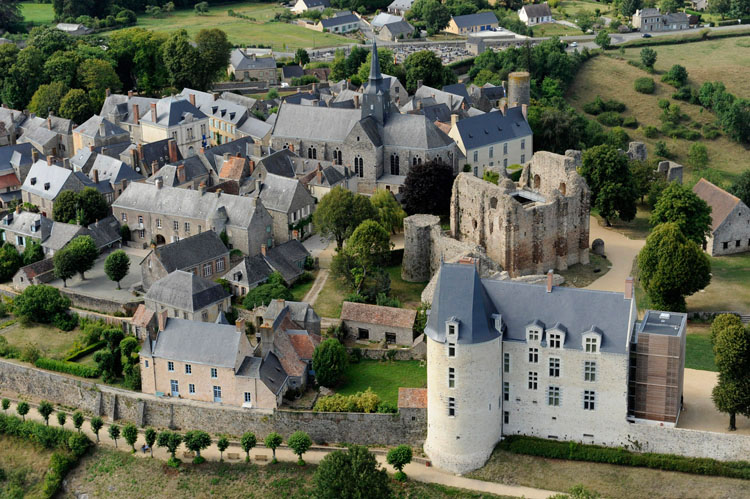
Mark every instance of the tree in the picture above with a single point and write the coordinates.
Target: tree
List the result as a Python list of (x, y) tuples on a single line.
[(682, 206), (47, 99), (78, 420), (10, 262), (613, 189), (731, 397), (349, 474), (300, 443), (64, 265), (389, 212), (648, 57), (33, 253), (248, 441), (586, 21), (75, 106), (602, 39), (340, 212), (66, 207), (61, 418), (196, 441), (10, 14), (676, 76), (171, 440), (369, 245), (426, 67), (698, 156), (22, 409), (130, 434), (214, 49), (263, 294), (428, 188), (40, 303), (329, 362), (672, 267), (92, 205), (628, 7), (45, 409), (129, 350), (181, 60), (670, 5), (84, 251), (741, 187), (150, 436), (96, 425), (731, 343), (201, 8), (273, 440), (96, 76), (114, 433), (301, 57), (643, 176), (398, 458), (116, 266), (5, 404), (720, 7), (222, 445)]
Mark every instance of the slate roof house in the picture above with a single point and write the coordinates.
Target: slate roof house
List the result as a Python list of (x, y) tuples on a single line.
[(397, 30), (375, 142), (126, 111), (46, 181), (652, 19), (505, 358), (494, 140), (324, 178), (187, 296), (51, 137), (304, 5), (18, 158), (147, 159), (288, 259), (730, 220), (341, 22), (373, 323), (10, 187), (246, 67), (10, 125), (40, 272), (291, 71), (179, 119), (472, 23), (113, 172), (203, 254), (74, 29), (156, 213), (399, 7), (211, 363), (290, 205), (98, 131), (533, 14)]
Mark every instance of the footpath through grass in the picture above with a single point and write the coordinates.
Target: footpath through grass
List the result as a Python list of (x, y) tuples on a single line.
[(384, 377)]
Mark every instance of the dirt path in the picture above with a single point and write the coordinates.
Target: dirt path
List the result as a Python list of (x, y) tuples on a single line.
[(320, 281), (699, 412), (234, 453), (620, 252)]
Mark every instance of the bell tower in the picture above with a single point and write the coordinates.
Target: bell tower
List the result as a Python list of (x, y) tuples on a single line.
[(376, 101)]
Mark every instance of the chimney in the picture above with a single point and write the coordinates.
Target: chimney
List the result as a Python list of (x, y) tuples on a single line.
[(34, 155), (258, 150), (50, 160), (140, 151), (215, 95), (454, 120), (136, 114), (319, 176), (252, 166), (524, 111), (104, 151), (550, 278), (266, 340), (130, 94), (258, 185), (159, 182), (162, 318), (96, 175), (134, 158), (419, 84), (291, 147), (153, 112), (240, 324), (218, 193), (254, 56), (172, 151), (154, 166), (504, 109), (315, 88), (91, 148), (295, 234), (124, 184), (181, 174), (49, 122), (263, 249), (54, 151), (192, 100), (202, 188), (108, 92), (629, 288), (356, 102), (419, 104), (227, 155), (18, 208)]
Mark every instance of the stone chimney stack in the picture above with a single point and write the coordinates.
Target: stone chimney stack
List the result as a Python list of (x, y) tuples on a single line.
[(50, 160), (172, 151), (356, 102), (202, 188), (92, 147), (240, 324), (34, 155), (96, 176), (159, 182), (154, 166), (49, 122), (102, 129), (108, 92), (263, 249), (550, 279), (130, 94), (192, 99), (162, 318), (525, 111), (454, 120), (136, 114), (629, 288), (153, 112), (266, 340), (258, 185), (18, 209), (181, 174)]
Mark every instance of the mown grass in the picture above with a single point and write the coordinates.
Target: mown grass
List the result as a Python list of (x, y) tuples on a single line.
[(554, 29), (51, 341), (24, 466), (729, 289), (384, 377), (37, 13), (699, 353)]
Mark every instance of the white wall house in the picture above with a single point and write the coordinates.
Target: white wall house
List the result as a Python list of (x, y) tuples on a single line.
[(532, 14)]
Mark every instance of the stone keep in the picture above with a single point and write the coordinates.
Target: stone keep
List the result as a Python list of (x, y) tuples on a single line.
[(530, 227)]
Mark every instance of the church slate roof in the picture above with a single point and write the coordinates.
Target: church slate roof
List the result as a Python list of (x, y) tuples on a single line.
[(315, 123), (491, 128), (414, 131)]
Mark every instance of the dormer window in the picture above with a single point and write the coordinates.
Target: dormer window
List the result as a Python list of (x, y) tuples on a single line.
[(451, 330), (591, 344), (533, 335), (33, 181), (554, 340)]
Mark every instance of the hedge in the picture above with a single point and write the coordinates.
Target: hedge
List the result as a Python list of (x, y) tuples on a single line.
[(85, 351), (598, 454), (62, 366)]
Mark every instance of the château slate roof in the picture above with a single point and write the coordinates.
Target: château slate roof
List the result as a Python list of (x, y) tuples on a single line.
[(198, 343), (186, 291), (491, 128), (190, 251)]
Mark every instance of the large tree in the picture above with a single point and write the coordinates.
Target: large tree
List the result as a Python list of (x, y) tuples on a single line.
[(340, 212), (613, 189), (428, 188), (672, 267), (84, 253), (40, 303), (389, 211), (10, 13), (47, 99), (93, 205), (731, 343), (329, 362), (96, 76), (117, 266), (75, 106), (351, 473), (426, 67), (64, 265), (33, 253), (741, 187), (10, 262), (682, 206), (181, 59), (214, 49)]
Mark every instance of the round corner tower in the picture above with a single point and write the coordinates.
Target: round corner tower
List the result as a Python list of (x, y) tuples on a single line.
[(417, 243), (519, 88)]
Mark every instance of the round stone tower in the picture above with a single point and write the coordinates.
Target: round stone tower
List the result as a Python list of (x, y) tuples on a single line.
[(417, 243), (519, 89)]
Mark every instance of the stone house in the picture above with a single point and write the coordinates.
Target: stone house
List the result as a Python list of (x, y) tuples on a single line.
[(114, 172), (291, 206), (176, 118), (125, 111), (161, 214), (288, 259), (51, 137), (373, 323), (533, 14), (40, 272), (472, 23), (494, 141), (291, 71), (74, 29), (11, 121), (301, 6), (730, 220), (46, 181), (652, 19), (98, 131), (487, 97), (147, 159), (202, 254), (507, 358), (249, 67), (187, 296), (321, 180), (341, 22), (10, 187), (399, 7), (210, 363)]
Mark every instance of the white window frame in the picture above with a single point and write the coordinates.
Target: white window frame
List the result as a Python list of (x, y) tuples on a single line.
[(589, 400), (451, 350), (589, 371), (191, 388), (554, 340), (451, 407), (554, 396), (533, 380), (506, 391), (188, 369), (506, 362), (214, 373), (170, 366), (591, 344), (533, 355), (451, 377), (555, 367)]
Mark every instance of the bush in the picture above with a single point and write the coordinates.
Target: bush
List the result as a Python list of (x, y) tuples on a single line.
[(645, 85), (630, 122), (40, 303), (367, 401), (686, 94), (650, 131), (663, 103), (30, 353), (329, 362), (676, 76), (598, 106), (73, 356), (65, 321), (609, 118), (355, 356), (710, 131), (62, 366)]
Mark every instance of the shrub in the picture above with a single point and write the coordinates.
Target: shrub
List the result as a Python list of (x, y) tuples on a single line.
[(598, 106), (62, 366), (329, 362), (676, 76), (710, 131), (663, 103), (645, 85), (630, 122), (355, 356), (660, 149), (65, 321), (299, 442), (367, 401), (30, 353), (686, 94), (650, 131), (609, 118), (387, 408)]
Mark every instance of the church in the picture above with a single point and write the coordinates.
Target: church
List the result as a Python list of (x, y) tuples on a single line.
[(376, 142)]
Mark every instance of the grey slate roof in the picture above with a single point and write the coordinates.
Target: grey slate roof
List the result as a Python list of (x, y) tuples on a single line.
[(47, 181), (221, 318), (224, 110), (384, 18), (292, 71), (279, 163), (190, 251), (317, 3), (453, 101), (339, 19), (92, 128), (458, 89), (478, 19), (113, 170), (282, 259), (172, 111), (401, 4), (255, 128), (198, 343), (242, 62), (299, 311), (277, 193), (22, 223), (250, 272), (272, 373), (413, 131), (438, 112), (120, 106), (186, 291), (537, 10), (242, 100), (155, 151), (58, 125), (14, 156), (303, 122), (194, 168), (491, 128), (399, 27), (105, 231), (61, 234)]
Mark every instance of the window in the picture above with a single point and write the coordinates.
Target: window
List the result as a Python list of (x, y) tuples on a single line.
[(220, 265), (214, 373), (142, 233), (174, 386), (506, 417), (533, 355), (589, 400), (725, 245), (492, 151), (555, 341), (146, 363), (737, 243), (554, 367), (394, 164), (174, 135), (248, 397), (523, 144), (390, 338), (188, 369), (506, 391), (506, 362), (363, 334), (451, 330), (124, 217), (553, 396), (217, 394), (176, 225), (203, 130), (589, 371), (533, 380), (140, 219), (592, 345), (207, 269), (505, 163), (191, 388), (505, 148), (533, 335), (158, 223), (451, 407), (476, 156), (451, 377), (170, 366), (19, 240), (523, 158), (187, 227), (204, 316), (451, 349)]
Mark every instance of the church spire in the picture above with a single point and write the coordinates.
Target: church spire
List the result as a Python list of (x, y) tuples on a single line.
[(375, 64)]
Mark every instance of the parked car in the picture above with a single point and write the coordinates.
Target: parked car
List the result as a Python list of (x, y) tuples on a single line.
[(574, 44), (645, 35)]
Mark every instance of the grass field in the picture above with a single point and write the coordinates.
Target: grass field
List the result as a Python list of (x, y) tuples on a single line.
[(730, 287), (612, 78), (571, 9), (608, 480), (580, 276), (300, 290), (383, 377), (554, 29), (37, 13), (262, 31), (699, 352), (113, 474), (51, 341), (24, 465)]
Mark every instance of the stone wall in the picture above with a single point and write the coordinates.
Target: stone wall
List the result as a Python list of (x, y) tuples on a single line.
[(79, 300), (693, 443)]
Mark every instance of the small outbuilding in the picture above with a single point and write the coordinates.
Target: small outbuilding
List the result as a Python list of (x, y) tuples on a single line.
[(375, 323)]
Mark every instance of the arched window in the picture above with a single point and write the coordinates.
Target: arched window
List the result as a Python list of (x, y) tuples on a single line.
[(359, 166), (416, 160), (312, 153), (337, 157), (394, 164)]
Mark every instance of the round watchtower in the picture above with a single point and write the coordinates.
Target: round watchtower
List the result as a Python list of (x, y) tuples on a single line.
[(519, 89), (417, 242)]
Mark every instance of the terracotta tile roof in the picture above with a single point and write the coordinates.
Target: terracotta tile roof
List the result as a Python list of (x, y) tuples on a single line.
[(9, 180), (142, 316), (445, 127), (37, 268), (284, 350), (233, 168), (303, 343), (720, 201), (374, 314), (412, 398)]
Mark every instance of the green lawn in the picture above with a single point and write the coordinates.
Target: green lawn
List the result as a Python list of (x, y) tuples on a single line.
[(51, 341), (383, 377), (37, 13), (699, 352), (729, 289), (262, 31), (409, 293), (554, 29), (300, 290)]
